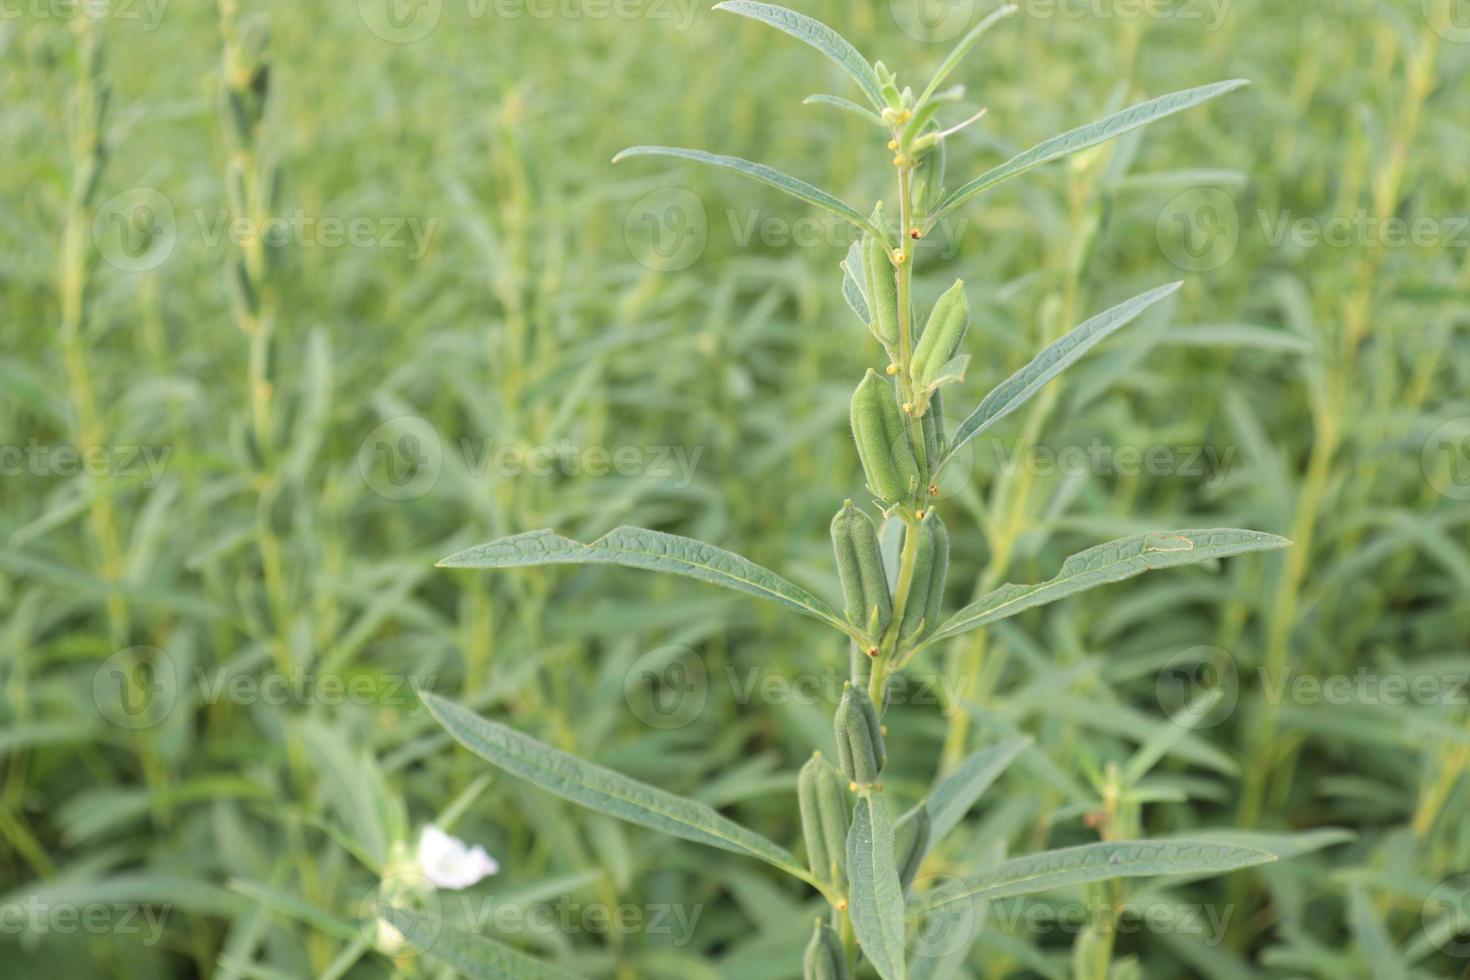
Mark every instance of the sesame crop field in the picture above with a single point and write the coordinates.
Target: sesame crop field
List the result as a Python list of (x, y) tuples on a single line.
[(621, 489)]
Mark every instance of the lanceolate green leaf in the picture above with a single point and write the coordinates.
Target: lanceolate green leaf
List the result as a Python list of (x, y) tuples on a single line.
[(471, 955), (1088, 863), (602, 789), (876, 895), (846, 105), (1111, 562), (1016, 390), (852, 283), (636, 547), (759, 171), (818, 35), (1085, 136), (953, 59), (962, 788)]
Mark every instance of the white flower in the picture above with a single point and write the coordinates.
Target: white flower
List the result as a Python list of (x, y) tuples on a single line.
[(448, 863)]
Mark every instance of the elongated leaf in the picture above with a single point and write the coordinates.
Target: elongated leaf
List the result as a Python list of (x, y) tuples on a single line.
[(1111, 562), (1088, 863), (962, 788), (953, 59), (636, 547), (1083, 137), (852, 284), (474, 956), (759, 171), (1016, 390), (875, 894), (818, 35), (602, 789), (846, 105)]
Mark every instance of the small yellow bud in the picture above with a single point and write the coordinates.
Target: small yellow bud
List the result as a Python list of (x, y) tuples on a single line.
[(920, 513), (899, 257), (884, 730), (916, 234), (908, 408), (842, 903), (892, 369), (904, 116), (852, 787), (872, 651), (933, 489), (893, 144), (900, 161)]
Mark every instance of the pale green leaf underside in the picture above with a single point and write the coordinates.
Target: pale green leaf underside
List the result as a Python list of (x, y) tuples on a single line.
[(601, 789), (961, 789), (1083, 137), (1016, 390), (846, 105), (758, 171), (1089, 863), (655, 551), (818, 35), (853, 289), (875, 895), (1105, 563), (474, 956)]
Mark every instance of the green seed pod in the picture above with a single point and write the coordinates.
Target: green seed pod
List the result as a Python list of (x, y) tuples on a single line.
[(822, 799), (911, 842), (860, 568), (882, 440), (882, 285), (859, 737), (825, 958), (942, 336), (932, 424), (926, 594)]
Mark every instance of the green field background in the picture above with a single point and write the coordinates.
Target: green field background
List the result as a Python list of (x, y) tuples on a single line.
[(483, 326)]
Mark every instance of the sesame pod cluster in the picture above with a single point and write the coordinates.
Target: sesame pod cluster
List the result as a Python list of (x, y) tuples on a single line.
[(882, 285), (942, 336), (860, 751), (926, 594), (860, 569), (825, 958), (911, 842), (882, 440), (822, 799)]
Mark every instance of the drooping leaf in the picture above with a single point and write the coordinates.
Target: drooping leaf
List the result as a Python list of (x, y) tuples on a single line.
[(875, 893), (846, 105), (953, 59), (961, 789), (1083, 137), (818, 35), (635, 547), (1089, 863), (601, 789), (474, 956), (760, 172), (852, 284), (1016, 390), (1111, 562)]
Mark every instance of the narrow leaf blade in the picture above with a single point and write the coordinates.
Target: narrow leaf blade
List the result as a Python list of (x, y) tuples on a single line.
[(1016, 390), (846, 105), (1089, 863), (876, 895), (1111, 562), (818, 35), (474, 956), (603, 790), (953, 59), (655, 551), (961, 789), (1083, 137)]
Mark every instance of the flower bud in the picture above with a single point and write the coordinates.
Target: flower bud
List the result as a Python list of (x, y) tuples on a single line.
[(825, 958), (822, 799), (881, 435), (882, 283), (860, 750), (926, 593), (911, 842), (860, 569), (942, 336)]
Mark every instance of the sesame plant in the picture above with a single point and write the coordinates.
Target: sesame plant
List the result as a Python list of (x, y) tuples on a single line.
[(862, 853)]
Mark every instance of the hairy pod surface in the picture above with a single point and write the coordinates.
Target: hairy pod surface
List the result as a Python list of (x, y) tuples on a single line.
[(860, 749), (825, 958), (932, 424), (882, 283), (926, 594), (911, 842), (822, 799), (882, 440), (942, 335), (860, 569)]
